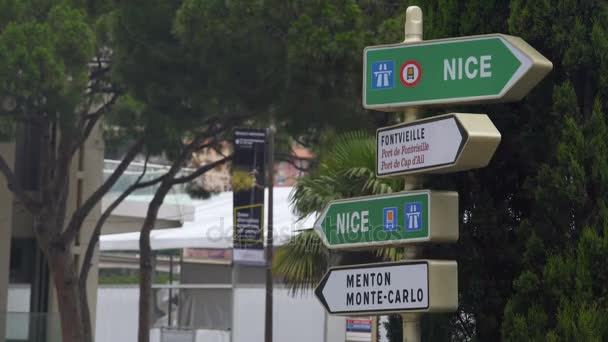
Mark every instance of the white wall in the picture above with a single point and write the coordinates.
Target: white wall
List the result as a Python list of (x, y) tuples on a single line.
[(19, 298), (248, 315), (336, 328), (296, 319), (117, 313), (17, 321)]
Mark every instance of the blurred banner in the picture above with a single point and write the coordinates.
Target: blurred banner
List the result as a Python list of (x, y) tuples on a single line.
[(248, 182)]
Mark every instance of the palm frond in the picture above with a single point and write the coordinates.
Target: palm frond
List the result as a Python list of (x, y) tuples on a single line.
[(390, 253), (302, 261), (347, 170)]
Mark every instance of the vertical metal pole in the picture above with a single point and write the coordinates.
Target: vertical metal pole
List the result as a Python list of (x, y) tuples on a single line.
[(179, 293), (269, 239), (375, 323), (413, 33), (170, 290), (233, 280)]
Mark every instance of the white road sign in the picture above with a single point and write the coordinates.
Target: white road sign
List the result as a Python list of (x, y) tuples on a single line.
[(419, 286), (441, 144)]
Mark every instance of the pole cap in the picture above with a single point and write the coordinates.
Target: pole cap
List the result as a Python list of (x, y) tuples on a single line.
[(413, 24)]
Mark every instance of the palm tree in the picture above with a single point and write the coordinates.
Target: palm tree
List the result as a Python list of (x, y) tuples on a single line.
[(346, 170)]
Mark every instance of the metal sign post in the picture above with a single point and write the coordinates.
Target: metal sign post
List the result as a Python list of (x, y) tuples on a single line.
[(413, 34)]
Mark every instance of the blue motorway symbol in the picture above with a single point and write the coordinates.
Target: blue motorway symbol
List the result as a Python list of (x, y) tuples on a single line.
[(413, 216), (382, 75)]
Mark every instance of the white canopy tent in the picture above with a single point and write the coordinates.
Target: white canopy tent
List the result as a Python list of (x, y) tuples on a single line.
[(212, 226)]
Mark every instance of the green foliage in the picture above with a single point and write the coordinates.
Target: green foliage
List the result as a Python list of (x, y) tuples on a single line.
[(570, 193), (559, 295), (108, 278), (193, 63), (306, 54), (560, 300), (43, 61), (76, 44), (149, 63), (572, 286), (7, 129), (394, 331)]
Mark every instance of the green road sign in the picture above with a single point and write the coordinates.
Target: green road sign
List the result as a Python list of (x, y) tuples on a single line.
[(393, 219), (488, 68)]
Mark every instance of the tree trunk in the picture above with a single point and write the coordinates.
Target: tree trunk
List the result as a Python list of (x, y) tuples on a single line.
[(145, 262), (63, 271), (145, 257), (86, 313), (145, 287)]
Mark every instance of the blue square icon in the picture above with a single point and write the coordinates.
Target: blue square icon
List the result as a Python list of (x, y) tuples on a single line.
[(413, 216), (383, 74), (390, 219)]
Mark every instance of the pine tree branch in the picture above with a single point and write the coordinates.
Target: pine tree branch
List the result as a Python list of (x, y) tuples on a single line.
[(145, 266), (59, 189), (81, 213), (73, 227), (48, 161), (463, 324), (145, 250), (86, 264), (218, 150), (99, 71), (291, 159), (89, 120), (99, 66), (14, 186), (200, 171)]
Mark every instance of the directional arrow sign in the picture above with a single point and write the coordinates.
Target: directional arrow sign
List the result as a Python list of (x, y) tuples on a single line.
[(418, 286), (441, 144), (489, 68), (393, 219)]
